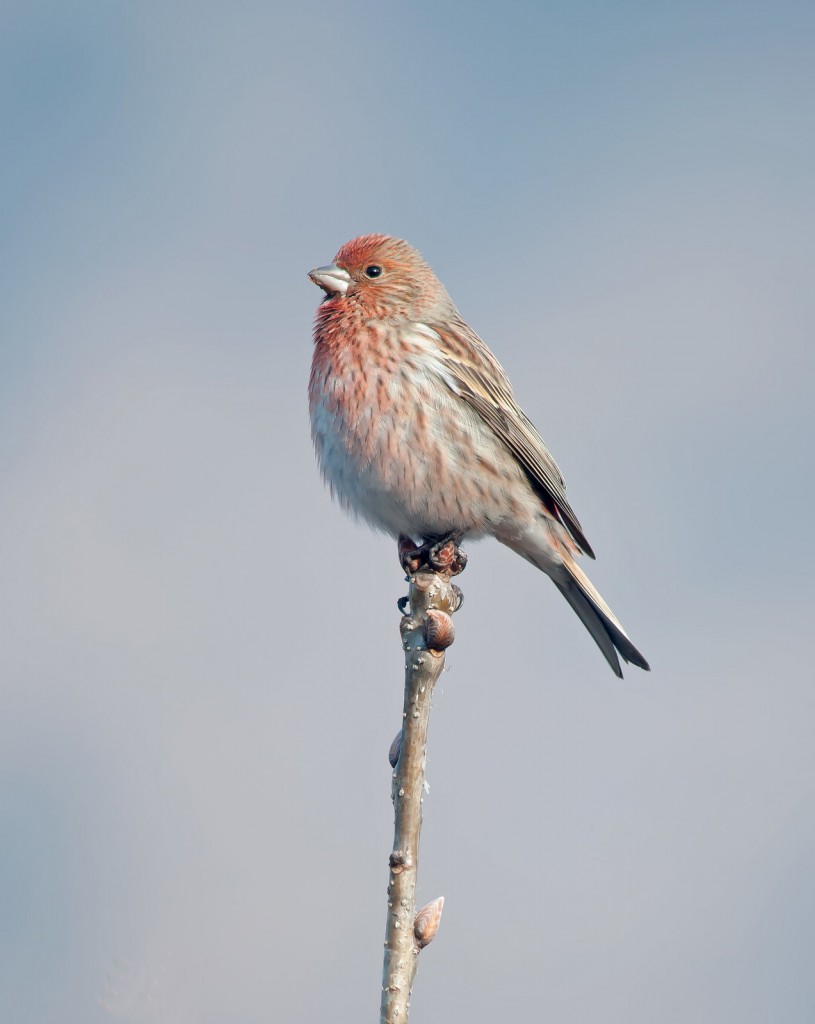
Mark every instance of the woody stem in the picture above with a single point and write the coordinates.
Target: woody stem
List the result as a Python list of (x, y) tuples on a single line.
[(426, 632)]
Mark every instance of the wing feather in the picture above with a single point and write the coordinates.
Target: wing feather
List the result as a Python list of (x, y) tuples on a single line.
[(479, 379)]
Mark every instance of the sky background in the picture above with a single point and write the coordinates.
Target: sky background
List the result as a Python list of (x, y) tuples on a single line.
[(194, 790)]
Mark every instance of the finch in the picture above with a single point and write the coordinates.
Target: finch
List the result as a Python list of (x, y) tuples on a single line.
[(417, 430)]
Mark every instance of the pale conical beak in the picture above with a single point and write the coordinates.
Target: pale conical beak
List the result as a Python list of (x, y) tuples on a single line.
[(332, 279)]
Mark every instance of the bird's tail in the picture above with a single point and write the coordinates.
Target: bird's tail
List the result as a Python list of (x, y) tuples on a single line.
[(551, 550), (597, 617)]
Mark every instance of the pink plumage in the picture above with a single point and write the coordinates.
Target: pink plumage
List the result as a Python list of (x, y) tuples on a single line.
[(417, 430)]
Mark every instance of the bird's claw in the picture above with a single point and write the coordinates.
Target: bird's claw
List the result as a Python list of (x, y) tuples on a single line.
[(446, 554), (409, 554), (439, 554)]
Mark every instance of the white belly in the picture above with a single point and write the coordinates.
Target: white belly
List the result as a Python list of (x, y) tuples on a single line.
[(435, 471)]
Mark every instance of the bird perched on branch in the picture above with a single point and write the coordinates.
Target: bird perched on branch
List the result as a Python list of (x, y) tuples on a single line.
[(417, 430)]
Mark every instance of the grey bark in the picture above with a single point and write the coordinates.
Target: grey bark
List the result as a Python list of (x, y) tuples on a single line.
[(426, 631)]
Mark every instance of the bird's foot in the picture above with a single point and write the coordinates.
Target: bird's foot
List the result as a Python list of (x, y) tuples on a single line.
[(441, 554), (445, 554)]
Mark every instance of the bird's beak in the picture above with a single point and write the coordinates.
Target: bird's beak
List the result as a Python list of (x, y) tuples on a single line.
[(332, 279)]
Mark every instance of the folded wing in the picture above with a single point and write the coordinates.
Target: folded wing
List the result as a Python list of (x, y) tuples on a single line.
[(478, 378)]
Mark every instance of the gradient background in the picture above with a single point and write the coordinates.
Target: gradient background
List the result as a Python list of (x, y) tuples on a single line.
[(200, 664)]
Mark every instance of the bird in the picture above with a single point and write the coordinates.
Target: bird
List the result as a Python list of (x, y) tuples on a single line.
[(417, 430)]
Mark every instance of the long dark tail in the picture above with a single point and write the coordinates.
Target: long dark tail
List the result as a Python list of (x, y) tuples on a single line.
[(598, 618)]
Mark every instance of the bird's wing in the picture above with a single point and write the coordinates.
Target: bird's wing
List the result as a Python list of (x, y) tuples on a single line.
[(474, 373)]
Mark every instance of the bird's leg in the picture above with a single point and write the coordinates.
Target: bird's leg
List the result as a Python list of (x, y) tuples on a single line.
[(439, 553)]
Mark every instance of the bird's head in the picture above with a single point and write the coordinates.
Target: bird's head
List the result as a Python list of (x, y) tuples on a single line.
[(383, 277)]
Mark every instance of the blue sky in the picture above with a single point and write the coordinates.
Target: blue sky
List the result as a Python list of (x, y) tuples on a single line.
[(194, 791)]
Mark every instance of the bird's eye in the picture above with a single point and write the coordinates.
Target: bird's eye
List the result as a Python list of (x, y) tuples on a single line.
[(373, 270)]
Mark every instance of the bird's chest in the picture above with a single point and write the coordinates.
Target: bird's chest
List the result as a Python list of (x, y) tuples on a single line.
[(393, 441), (363, 413)]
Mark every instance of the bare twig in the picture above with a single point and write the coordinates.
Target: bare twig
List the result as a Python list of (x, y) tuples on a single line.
[(426, 631)]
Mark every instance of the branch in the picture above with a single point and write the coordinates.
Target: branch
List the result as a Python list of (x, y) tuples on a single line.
[(427, 630)]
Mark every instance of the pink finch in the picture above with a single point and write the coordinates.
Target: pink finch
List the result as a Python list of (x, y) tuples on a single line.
[(417, 430)]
